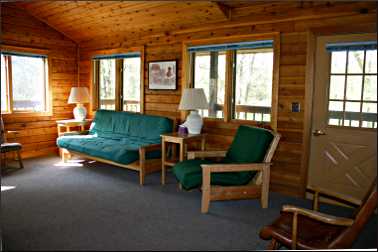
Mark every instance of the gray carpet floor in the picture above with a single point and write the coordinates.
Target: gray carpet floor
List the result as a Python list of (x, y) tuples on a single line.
[(102, 207)]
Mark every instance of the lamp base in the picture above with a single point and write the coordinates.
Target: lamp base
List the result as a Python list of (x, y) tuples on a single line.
[(194, 122), (80, 112)]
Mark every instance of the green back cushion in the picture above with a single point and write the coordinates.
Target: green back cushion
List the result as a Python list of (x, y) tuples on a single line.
[(249, 146), (128, 125)]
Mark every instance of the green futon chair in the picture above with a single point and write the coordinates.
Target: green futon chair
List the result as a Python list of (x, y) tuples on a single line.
[(242, 173)]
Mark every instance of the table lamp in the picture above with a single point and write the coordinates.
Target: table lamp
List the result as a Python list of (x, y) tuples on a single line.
[(79, 95), (193, 99)]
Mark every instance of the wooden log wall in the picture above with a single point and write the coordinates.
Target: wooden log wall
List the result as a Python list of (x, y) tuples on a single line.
[(288, 173), (38, 134)]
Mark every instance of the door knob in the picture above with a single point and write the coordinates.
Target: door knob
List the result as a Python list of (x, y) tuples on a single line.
[(319, 132)]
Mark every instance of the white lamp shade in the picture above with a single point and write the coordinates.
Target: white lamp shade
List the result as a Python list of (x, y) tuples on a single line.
[(79, 95), (193, 98)]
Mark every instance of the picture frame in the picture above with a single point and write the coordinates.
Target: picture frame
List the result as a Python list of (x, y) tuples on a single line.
[(162, 75)]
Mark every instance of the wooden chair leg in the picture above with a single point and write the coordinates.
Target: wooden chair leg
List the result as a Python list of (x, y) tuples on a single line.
[(5, 160), (65, 155), (141, 177), (205, 202), (20, 159), (265, 187), (273, 245)]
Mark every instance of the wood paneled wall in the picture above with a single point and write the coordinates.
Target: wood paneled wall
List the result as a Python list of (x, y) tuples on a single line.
[(288, 172), (38, 134)]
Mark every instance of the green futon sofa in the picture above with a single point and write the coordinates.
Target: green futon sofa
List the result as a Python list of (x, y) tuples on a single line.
[(125, 139)]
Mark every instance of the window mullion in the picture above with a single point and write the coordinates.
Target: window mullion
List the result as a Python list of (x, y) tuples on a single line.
[(9, 81), (118, 83), (229, 94), (362, 89)]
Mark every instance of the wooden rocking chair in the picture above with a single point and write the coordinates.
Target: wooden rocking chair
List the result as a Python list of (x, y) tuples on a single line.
[(300, 228)]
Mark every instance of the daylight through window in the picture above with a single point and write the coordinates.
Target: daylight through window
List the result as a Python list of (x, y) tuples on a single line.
[(23, 83)]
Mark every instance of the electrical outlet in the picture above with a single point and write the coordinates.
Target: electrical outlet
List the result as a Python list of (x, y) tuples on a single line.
[(295, 107)]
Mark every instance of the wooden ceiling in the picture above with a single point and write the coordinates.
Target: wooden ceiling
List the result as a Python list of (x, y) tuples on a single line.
[(82, 20), (87, 20)]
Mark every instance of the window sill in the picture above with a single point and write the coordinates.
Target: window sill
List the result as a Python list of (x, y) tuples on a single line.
[(6, 115)]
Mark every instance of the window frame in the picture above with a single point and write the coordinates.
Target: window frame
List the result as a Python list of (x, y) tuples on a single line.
[(344, 100), (48, 83), (187, 80), (95, 77)]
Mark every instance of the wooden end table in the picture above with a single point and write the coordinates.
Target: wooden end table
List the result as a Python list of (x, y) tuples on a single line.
[(182, 140), (70, 123)]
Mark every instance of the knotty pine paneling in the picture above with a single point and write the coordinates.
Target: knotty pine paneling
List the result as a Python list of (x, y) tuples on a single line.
[(38, 134), (287, 168)]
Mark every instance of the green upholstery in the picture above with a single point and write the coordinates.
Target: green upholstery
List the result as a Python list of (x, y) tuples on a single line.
[(117, 136), (249, 146), (119, 125)]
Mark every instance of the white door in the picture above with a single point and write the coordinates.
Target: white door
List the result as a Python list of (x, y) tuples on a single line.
[(343, 157)]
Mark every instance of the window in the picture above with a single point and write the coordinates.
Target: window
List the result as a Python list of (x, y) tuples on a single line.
[(24, 83), (107, 84), (250, 65), (253, 85), (119, 81), (131, 84), (353, 86), (209, 72)]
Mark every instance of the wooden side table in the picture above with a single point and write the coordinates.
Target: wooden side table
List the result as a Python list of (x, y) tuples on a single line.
[(68, 124), (182, 140)]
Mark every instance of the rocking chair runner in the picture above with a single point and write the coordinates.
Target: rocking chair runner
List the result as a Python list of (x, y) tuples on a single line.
[(243, 173), (300, 228)]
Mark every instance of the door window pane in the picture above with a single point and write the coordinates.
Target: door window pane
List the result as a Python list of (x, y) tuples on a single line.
[(338, 62), (370, 88), (210, 74), (4, 97), (337, 87), (28, 83), (355, 61), (131, 84), (107, 84), (354, 87), (371, 61), (253, 84)]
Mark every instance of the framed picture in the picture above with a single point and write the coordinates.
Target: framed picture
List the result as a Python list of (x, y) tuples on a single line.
[(162, 75)]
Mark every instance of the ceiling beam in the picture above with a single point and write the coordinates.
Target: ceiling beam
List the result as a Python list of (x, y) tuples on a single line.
[(226, 10)]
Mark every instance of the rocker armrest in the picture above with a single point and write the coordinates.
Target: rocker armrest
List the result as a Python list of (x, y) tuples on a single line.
[(326, 218), (320, 191), (234, 167), (204, 154), (74, 133)]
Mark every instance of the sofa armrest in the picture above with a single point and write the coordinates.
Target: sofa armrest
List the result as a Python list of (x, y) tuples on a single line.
[(74, 133), (151, 147), (147, 148)]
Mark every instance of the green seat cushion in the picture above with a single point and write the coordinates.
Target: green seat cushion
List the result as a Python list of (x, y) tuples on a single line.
[(120, 151), (189, 173), (6, 147), (249, 146)]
